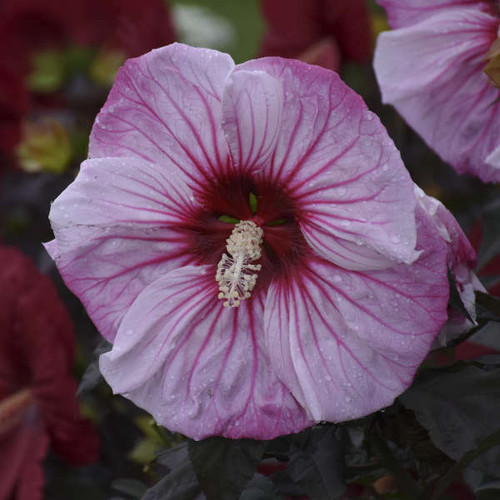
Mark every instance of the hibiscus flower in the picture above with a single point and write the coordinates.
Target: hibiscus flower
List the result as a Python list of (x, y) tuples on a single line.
[(431, 67), (38, 403), (327, 33), (249, 240)]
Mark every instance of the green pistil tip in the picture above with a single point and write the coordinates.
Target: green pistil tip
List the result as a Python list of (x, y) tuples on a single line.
[(253, 203), (228, 219), (277, 222)]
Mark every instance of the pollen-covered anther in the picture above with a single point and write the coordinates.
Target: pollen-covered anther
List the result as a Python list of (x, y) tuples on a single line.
[(237, 272)]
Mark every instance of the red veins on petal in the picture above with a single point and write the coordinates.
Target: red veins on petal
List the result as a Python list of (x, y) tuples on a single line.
[(351, 285)]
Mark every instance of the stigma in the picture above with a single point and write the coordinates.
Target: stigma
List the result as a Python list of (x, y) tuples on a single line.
[(236, 270)]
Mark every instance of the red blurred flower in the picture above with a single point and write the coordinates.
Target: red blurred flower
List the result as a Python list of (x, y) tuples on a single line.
[(14, 103), (29, 27), (134, 26), (324, 32), (37, 389)]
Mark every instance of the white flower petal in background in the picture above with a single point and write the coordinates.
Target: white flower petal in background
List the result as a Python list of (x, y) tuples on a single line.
[(199, 26)]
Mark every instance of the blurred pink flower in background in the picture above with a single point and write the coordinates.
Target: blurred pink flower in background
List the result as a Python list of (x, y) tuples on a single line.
[(339, 275), (38, 403), (431, 68), (327, 33)]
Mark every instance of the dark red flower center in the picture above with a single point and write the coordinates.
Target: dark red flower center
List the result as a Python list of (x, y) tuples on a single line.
[(228, 200)]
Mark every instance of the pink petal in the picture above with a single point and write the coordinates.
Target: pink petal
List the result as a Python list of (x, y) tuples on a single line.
[(461, 260), (493, 159), (114, 234), (347, 343), (197, 367), (432, 72), (252, 109), (406, 12), (165, 107), (335, 160)]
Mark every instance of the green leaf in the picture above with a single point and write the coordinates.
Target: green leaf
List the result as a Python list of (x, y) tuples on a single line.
[(181, 482), (225, 466), (486, 444), (488, 307), (48, 71), (317, 462), (260, 488), (460, 408), (130, 487)]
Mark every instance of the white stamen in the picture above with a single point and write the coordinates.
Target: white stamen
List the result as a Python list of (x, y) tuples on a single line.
[(236, 272)]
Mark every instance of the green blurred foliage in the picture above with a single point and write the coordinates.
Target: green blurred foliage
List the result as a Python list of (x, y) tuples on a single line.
[(244, 16)]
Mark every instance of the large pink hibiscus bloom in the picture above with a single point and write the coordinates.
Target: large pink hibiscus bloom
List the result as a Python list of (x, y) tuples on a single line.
[(335, 278), (430, 67)]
